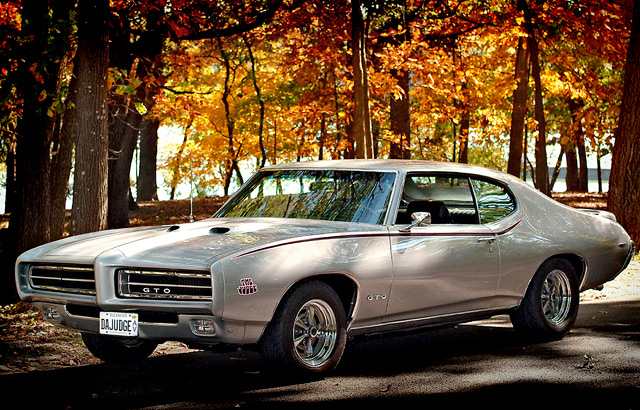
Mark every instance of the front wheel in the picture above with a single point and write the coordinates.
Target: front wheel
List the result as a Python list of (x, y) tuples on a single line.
[(550, 306), (308, 331), (112, 349)]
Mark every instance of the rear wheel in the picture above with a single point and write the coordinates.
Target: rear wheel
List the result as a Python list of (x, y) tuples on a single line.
[(550, 306), (114, 349), (308, 332)]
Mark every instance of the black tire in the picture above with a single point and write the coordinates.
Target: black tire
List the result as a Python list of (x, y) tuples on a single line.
[(550, 306), (112, 349), (308, 332)]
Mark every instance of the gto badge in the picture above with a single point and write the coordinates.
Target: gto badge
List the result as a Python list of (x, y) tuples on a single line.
[(377, 297), (247, 287), (166, 291)]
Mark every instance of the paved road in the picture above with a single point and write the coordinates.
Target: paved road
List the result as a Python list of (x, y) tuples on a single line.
[(479, 364)]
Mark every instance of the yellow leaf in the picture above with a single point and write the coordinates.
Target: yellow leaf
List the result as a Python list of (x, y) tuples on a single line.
[(42, 96)]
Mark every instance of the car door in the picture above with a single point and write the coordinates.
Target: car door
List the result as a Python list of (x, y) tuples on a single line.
[(450, 266)]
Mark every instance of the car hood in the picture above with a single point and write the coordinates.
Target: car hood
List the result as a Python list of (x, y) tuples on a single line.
[(196, 244)]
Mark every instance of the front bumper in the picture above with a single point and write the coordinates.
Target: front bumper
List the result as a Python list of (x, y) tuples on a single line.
[(153, 325), (159, 319)]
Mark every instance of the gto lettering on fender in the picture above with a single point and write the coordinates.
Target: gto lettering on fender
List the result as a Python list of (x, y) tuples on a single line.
[(381, 296)]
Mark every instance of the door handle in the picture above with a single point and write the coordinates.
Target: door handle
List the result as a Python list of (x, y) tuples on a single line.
[(489, 240)]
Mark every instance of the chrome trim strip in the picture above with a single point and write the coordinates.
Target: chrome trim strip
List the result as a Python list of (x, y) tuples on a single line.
[(431, 320), (58, 272), (124, 285)]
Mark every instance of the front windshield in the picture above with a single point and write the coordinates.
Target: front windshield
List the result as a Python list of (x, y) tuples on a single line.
[(348, 196)]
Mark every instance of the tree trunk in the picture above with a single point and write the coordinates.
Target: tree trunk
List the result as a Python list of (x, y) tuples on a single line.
[(542, 168), (147, 183), (89, 211), (231, 163), (519, 110), (123, 138), (176, 169), (463, 154), (126, 120), (573, 184), (400, 117), (556, 169), (578, 138), (599, 169), (62, 159), (10, 181), (30, 218), (584, 168), (465, 123), (624, 182), (256, 87), (361, 116), (323, 136)]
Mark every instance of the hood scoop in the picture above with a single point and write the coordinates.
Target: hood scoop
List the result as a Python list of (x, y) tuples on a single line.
[(218, 230)]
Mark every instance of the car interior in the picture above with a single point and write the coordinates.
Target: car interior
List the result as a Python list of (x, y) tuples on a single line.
[(448, 199)]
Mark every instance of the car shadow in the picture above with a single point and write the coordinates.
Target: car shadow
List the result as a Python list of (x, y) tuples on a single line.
[(239, 380)]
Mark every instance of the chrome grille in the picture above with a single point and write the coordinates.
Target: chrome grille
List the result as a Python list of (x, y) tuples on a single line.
[(164, 284), (68, 279)]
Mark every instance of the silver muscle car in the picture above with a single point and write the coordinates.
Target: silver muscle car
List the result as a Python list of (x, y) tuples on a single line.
[(305, 255)]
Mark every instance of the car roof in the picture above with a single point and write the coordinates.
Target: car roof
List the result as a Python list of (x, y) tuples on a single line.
[(394, 165)]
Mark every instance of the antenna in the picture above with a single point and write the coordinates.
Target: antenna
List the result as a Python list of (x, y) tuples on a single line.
[(191, 188)]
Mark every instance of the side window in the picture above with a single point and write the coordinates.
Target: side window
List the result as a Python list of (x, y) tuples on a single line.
[(448, 198), (494, 201)]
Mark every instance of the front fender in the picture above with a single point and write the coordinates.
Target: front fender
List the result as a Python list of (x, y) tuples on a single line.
[(256, 282)]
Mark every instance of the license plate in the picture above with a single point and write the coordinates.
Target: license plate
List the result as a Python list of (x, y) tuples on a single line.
[(119, 323)]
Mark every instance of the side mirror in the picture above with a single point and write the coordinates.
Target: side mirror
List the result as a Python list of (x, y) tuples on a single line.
[(419, 219)]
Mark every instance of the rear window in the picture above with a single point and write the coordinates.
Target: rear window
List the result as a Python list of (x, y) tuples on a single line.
[(494, 201)]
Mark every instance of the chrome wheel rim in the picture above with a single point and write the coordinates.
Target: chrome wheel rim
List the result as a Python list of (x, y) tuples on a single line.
[(556, 297), (314, 333)]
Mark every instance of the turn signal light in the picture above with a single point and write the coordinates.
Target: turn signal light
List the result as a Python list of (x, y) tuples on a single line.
[(203, 326), (51, 313)]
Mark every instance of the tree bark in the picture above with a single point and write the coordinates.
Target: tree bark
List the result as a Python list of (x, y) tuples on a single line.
[(362, 115), (256, 87), (147, 182), (123, 138), (30, 218), (542, 168), (624, 182), (465, 124), (400, 118), (62, 160), (126, 121), (519, 110), (572, 181), (176, 168), (89, 211), (578, 139), (463, 154), (231, 163)]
